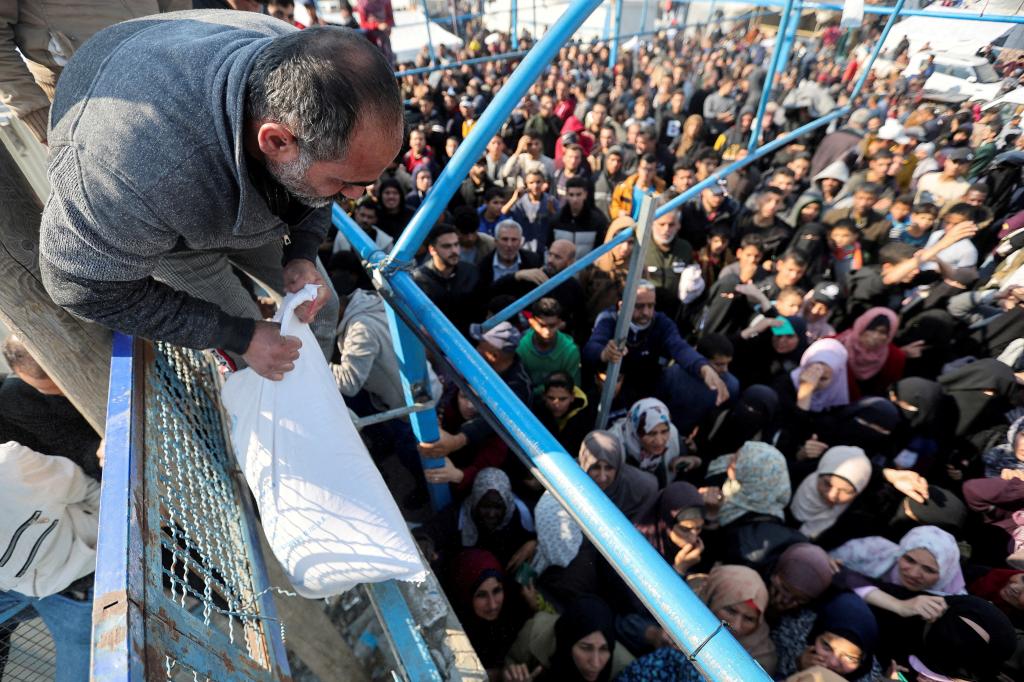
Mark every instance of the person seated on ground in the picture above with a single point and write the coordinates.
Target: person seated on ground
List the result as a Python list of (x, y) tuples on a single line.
[(788, 271), (564, 410), (653, 341), (908, 579), (579, 644), (488, 607), (545, 348), (603, 456), (491, 518), (750, 417), (652, 441), (35, 412), (842, 474), (678, 522), (842, 636)]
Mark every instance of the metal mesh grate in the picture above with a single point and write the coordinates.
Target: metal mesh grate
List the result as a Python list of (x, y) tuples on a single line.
[(204, 565), (26, 650)]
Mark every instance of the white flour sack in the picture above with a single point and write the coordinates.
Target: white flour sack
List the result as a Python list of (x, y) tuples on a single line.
[(325, 509)]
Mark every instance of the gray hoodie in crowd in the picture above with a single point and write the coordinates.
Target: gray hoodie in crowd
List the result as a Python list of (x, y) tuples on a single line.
[(146, 158)]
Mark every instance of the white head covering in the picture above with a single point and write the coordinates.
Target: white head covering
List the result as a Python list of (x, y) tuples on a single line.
[(876, 557), (832, 353), (849, 463), (558, 537)]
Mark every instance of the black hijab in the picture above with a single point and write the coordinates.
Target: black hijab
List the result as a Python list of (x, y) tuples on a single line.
[(726, 312), (675, 498), (811, 241), (995, 336), (955, 648), (852, 427), (925, 395), (584, 615), (967, 386), (753, 414)]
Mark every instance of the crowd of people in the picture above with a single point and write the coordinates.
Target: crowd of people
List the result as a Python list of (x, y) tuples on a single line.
[(818, 418)]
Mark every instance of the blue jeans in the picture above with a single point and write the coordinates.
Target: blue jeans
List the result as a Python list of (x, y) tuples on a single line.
[(70, 625)]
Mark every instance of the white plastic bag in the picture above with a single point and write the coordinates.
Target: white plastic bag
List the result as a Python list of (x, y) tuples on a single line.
[(325, 509)]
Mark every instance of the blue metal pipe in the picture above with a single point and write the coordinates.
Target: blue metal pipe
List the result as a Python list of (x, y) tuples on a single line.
[(665, 594), (607, 21), (613, 56), (455, 65), (791, 27), (486, 126), (514, 25), (430, 40), (552, 283), (769, 79)]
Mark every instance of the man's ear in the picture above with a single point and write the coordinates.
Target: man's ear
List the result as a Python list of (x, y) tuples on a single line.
[(277, 142)]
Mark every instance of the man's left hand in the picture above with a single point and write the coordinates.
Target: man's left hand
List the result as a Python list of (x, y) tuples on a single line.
[(715, 383), (297, 274)]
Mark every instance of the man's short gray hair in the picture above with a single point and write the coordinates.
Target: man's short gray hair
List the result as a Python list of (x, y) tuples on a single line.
[(646, 285), (318, 82), (508, 224)]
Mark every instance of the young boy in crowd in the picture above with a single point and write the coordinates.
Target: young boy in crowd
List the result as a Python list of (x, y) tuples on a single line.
[(847, 256), (916, 233), (535, 211), (545, 348), (789, 302), (492, 212), (715, 256), (900, 212)]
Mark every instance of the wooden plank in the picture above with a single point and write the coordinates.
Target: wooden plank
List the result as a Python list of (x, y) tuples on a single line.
[(75, 353)]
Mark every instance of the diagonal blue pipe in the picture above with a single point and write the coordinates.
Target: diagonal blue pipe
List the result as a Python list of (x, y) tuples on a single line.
[(486, 126)]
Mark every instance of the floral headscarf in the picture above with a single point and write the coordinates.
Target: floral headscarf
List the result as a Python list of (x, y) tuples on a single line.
[(558, 535), (487, 480), (761, 484), (643, 416)]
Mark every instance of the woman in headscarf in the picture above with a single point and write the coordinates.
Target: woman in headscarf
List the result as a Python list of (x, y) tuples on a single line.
[(762, 357), (926, 563), (491, 518), (650, 438), (875, 362), (633, 491), (1000, 504), (842, 474), (872, 424), (1004, 587), (811, 242), (806, 211), (841, 637), (565, 563), (737, 595), (819, 383), (490, 614), (1008, 455), (680, 521), (801, 575), (751, 417), (922, 403), (577, 645), (725, 311), (981, 390)]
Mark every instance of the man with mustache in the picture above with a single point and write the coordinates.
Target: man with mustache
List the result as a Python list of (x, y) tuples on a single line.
[(183, 148)]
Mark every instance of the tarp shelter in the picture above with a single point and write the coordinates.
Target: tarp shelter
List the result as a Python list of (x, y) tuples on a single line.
[(947, 35), (409, 35)]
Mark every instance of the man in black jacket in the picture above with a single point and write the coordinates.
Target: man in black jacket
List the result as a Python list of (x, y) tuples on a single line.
[(509, 258), (450, 283)]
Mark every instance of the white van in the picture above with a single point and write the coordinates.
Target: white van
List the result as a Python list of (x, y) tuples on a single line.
[(963, 74)]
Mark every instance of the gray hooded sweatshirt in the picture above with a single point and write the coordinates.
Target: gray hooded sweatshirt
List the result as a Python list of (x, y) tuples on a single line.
[(146, 158)]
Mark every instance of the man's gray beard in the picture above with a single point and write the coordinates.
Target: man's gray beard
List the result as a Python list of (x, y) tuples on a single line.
[(292, 176)]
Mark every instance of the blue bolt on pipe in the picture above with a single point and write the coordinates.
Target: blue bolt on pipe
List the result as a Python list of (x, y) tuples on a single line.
[(665, 594), (454, 65), (769, 78), (553, 282), (486, 126)]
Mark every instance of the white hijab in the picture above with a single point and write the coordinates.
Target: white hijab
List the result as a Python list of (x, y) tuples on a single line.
[(847, 462)]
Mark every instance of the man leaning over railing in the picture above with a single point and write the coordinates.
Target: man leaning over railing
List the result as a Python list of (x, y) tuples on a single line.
[(182, 146)]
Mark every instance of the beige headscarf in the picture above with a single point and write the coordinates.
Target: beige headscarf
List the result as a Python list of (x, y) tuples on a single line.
[(728, 585)]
